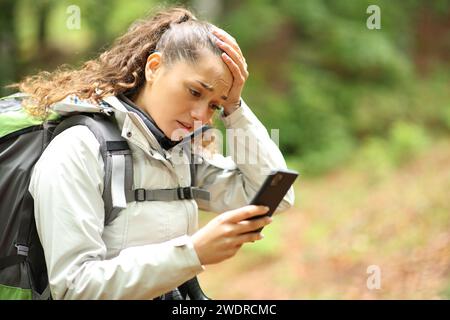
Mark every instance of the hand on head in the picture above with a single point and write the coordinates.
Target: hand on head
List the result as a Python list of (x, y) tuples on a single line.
[(235, 61)]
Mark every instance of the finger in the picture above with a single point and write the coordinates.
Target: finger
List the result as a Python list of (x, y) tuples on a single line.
[(246, 226), (231, 52), (249, 237), (243, 213), (226, 37), (238, 77)]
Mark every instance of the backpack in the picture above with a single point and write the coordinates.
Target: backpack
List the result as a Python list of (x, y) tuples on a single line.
[(23, 138)]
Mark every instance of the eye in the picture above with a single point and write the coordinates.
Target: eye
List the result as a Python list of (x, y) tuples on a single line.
[(194, 93)]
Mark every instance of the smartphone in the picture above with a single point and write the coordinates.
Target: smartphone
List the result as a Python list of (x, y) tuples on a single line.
[(273, 190)]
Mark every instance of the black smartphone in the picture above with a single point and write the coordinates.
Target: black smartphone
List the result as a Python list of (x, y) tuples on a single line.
[(273, 190)]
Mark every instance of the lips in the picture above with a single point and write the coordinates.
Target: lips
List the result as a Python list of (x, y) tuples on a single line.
[(185, 125)]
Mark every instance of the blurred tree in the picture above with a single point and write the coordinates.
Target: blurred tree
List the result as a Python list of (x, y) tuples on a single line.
[(8, 43), (329, 83)]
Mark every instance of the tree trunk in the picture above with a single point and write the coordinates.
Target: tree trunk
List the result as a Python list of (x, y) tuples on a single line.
[(8, 45)]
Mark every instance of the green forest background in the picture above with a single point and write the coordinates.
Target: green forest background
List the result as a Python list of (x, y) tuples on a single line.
[(363, 114)]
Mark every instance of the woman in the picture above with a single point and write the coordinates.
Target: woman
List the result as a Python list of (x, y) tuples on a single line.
[(169, 72)]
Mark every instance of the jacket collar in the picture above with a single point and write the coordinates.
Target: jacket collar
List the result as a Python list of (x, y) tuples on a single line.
[(162, 139), (130, 120)]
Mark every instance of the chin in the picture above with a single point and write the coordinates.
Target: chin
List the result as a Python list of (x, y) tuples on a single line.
[(178, 134)]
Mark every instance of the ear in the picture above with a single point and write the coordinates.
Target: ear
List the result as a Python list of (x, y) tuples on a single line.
[(152, 65)]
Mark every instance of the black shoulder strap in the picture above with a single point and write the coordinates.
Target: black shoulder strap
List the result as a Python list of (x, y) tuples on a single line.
[(116, 157), (118, 180)]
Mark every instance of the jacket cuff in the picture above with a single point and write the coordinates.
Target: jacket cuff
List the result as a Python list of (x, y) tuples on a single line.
[(185, 244), (233, 117), (242, 118)]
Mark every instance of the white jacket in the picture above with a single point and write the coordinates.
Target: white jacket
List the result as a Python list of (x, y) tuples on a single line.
[(147, 250)]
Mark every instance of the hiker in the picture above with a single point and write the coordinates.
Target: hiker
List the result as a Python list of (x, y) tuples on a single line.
[(166, 74)]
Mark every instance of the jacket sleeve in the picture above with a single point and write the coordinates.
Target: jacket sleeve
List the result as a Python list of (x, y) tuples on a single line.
[(233, 180), (67, 184)]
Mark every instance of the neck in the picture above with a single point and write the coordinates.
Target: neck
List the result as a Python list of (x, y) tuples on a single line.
[(138, 99)]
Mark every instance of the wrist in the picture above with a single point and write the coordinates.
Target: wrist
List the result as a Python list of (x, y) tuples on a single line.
[(230, 109), (197, 247)]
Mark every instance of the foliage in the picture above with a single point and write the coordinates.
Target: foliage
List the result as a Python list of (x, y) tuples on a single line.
[(331, 85)]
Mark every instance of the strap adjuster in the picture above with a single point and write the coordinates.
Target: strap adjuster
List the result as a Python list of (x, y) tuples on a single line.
[(185, 193), (139, 195)]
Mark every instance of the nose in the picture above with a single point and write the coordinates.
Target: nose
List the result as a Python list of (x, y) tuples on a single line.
[(200, 113)]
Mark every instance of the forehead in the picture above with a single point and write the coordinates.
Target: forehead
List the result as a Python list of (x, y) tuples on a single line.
[(209, 68)]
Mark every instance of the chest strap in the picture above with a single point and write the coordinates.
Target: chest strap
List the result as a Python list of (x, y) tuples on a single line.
[(181, 193)]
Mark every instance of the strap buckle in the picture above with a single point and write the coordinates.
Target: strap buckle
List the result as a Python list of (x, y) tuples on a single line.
[(22, 250), (185, 193), (139, 195)]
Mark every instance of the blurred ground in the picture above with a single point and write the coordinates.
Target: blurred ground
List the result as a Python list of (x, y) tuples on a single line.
[(344, 222)]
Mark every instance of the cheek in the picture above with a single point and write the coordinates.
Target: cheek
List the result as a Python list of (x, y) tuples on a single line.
[(180, 104), (169, 103), (173, 102)]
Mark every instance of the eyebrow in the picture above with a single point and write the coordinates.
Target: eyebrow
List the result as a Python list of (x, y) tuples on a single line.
[(210, 88)]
